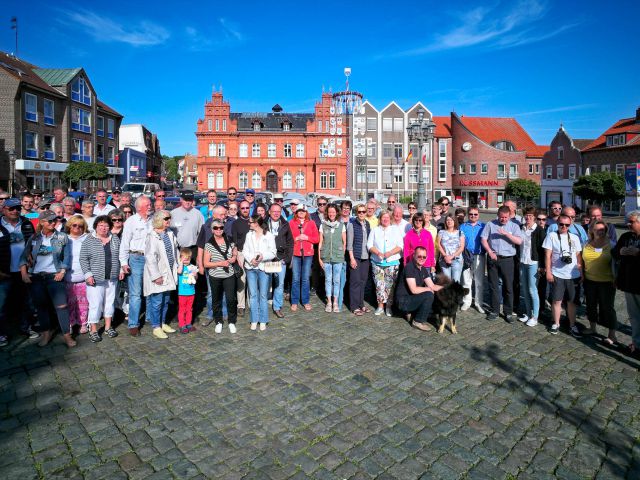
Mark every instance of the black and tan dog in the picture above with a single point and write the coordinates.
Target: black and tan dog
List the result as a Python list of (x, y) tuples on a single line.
[(447, 302)]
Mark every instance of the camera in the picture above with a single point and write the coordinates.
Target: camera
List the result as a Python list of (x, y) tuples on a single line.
[(566, 259)]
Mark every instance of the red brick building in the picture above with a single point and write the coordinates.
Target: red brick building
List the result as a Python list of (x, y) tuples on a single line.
[(487, 153), (276, 151)]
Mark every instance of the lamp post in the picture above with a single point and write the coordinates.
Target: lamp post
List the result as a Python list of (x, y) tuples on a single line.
[(12, 170), (421, 130), (362, 165)]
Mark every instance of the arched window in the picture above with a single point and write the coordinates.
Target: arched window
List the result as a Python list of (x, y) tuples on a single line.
[(219, 180), (323, 179), (210, 180), (212, 149), (332, 179), (243, 180), (504, 145), (300, 180), (287, 180), (255, 180)]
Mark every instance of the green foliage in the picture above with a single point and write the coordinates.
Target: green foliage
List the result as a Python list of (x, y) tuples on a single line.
[(78, 171), (523, 189), (599, 187), (406, 199), (171, 167)]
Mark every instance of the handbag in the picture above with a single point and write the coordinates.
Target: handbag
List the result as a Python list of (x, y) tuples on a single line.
[(273, 266), (237, 270)]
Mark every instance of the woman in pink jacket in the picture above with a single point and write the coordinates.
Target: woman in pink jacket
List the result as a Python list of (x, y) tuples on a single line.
[(418, 236), (305, 235)]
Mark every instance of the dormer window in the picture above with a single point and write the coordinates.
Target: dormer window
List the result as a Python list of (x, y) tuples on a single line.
[(286, 127), (504, 145), (256, 126), (615, 140)]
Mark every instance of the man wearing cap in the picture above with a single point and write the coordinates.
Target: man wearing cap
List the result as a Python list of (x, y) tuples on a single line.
[(102, 208), (250, 196), (278, 199), (116, 200), (186, 223), (15, 230)]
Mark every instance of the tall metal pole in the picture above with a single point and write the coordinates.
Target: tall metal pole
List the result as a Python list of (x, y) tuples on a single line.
[(12, 170), (14, 26), (422, 197)]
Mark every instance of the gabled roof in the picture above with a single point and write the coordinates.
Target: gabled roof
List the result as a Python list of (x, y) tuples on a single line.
[(625, 125), (272, 122), (24, 72), (57, 77), (108, 109), (581, 143), (443, 127), (495, 129)]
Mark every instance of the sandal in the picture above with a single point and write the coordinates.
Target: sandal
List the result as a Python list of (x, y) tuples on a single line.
[(358, 313), (294, 308), (608, 342), (366, 309), (307, 307)]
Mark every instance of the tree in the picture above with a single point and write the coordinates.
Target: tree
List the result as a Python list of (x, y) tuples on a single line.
[(78, 171), (171, 167), (523, 189), (599, 187)]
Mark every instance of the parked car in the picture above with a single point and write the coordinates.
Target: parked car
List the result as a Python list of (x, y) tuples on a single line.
[(137, 189)]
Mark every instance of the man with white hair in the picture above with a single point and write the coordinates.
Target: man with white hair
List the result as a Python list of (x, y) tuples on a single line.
[(398, 221), (132, 245)]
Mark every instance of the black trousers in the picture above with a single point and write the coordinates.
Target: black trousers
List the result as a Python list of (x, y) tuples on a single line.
[(501, 269), (357, 282), (419, 304), (228, 286), (600, 298), (516, 282)]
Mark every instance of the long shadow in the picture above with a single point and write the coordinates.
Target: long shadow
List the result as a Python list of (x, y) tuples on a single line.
[(530, 391)]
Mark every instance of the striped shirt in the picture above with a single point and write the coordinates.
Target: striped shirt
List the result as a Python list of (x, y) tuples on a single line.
[(219, 272)]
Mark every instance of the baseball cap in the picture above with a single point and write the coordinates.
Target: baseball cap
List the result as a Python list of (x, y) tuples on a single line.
[(48, 216), (12, 202), (187, 195), (278, 196), (249, 190), (294, 201), (116, 190)]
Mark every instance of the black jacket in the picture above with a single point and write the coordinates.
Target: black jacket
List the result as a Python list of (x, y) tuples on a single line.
[(27, 230), (239, 231), (284, 241), (537, 237), (628, 266)]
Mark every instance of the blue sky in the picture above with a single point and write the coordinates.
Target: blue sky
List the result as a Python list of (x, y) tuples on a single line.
[(155, 62)]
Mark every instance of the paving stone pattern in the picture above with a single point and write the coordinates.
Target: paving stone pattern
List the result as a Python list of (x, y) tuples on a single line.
[(327, 396)]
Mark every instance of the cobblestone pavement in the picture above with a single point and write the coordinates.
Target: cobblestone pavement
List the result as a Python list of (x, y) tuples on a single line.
[(323, 396)]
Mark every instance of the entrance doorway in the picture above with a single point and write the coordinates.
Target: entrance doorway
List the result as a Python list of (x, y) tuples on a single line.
[(272, 181)]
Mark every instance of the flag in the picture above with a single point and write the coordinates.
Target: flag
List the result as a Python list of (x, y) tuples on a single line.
[(409, 157), (424, 153)]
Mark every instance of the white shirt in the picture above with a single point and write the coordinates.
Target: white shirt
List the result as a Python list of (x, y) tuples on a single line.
[(559, 246), (265, 246), (385, 240), (134, 235), (44, 257), (525, 248), (75, 275), (103, 211), (403, 226), (16, 242)]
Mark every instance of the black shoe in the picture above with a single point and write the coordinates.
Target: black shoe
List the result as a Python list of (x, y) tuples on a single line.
[(510, 317), (492, 317), (111, 333), (575, 332)]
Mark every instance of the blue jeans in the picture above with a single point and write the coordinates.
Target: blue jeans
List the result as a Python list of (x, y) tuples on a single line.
[(278, 290), (529, 289), (45, 289), (454, 271), (300, 269), (343, 282), (258, 282), (333, 280), (134, 282), (157, 304)]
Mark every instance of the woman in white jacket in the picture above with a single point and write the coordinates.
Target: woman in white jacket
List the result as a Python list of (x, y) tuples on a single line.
[(259, 247), (160, 272)]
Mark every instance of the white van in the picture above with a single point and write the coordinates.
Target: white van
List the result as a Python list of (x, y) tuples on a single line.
[(137, 189)]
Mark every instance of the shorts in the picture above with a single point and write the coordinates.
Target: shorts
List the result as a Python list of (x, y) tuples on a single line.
[(564, 289)]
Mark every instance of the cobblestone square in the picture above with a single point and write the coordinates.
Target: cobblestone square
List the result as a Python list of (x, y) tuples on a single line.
[(323, 395)]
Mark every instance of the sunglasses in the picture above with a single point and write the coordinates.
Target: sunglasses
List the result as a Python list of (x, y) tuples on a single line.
[(421, 257), (166, 219), (564, 224), (321, 204), (117, 220), (232, 193), (556, 208), (244, 208), (217, 228), (474, 214), (541, 219), (75, 225), (14, 208), (362, 211), (282, 200), (391, 203), (248, 194), (160, 196), (418, 220), (413, 208)]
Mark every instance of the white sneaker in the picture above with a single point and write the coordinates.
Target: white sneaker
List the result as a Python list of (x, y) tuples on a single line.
[(387, 312), (465, 307), (523, 318), (532, 322), (218, 328), (480, 309), (158, 333), (379, 311), (263, 327), (254, 326), (232, 328)]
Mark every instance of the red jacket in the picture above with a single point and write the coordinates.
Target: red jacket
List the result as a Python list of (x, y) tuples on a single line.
[(310, 230)]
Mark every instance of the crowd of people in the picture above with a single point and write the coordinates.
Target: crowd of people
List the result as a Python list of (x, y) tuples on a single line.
[(80, 263)]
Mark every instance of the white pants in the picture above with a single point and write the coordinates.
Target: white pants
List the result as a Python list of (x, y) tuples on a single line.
[(102, 298), (475, 273)]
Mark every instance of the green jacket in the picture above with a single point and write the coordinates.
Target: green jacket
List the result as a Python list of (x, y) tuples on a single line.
[(332, 246)]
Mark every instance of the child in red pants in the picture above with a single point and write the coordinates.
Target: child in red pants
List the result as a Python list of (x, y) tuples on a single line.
[(187, 275)]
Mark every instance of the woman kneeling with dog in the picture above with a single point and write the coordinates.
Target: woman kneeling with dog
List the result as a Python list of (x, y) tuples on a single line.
[(415, 290)]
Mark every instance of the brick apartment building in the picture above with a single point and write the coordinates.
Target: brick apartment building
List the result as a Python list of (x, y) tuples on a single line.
[(562, 164), (48, 118), (487, 153), (275, 151), (140, 139), (188, 170)]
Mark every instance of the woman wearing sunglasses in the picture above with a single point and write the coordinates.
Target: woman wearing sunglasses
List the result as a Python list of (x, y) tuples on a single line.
[(77, 229)]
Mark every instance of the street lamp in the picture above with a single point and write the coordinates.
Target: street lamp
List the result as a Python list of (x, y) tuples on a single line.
[(421, 131), (362, 165), (12, 170)]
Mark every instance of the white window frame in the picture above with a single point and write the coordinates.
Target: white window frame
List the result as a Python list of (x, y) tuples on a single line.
[(287, 180), (504, 170), (256, 180), (571, 172), (398, 151), (332, 179), (560, 172), (222, 150), (548, 174), (49, 117), (80, 120), (398, 124), (300, 150), (398, 175), (217, 125), (213, 150), (473, 170), (413, 175), (537, 169), (387, 150), (255, 150), (209, 126), (372, 124), (30, 107), (387, 175), (224, 124), (387, 124), (111, 127), (560, 153), (243, 150), (31, 144), (461, 169), (219, 179), (100, 126), (484, 169), (286, 150), (301, 181), (531, 169), (271, 150), (513, 170), (442, 161), (80, 91), (243, 180), (323, 179)]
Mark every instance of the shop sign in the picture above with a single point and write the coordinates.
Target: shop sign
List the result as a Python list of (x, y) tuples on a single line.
[(479, 183)]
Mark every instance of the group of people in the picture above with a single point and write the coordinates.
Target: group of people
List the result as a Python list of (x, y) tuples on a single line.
[(80, 263)]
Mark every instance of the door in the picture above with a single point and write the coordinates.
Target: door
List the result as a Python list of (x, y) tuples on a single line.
[(272, 181)]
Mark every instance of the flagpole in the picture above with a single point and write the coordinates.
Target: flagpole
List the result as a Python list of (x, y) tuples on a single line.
[(14, 26)]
